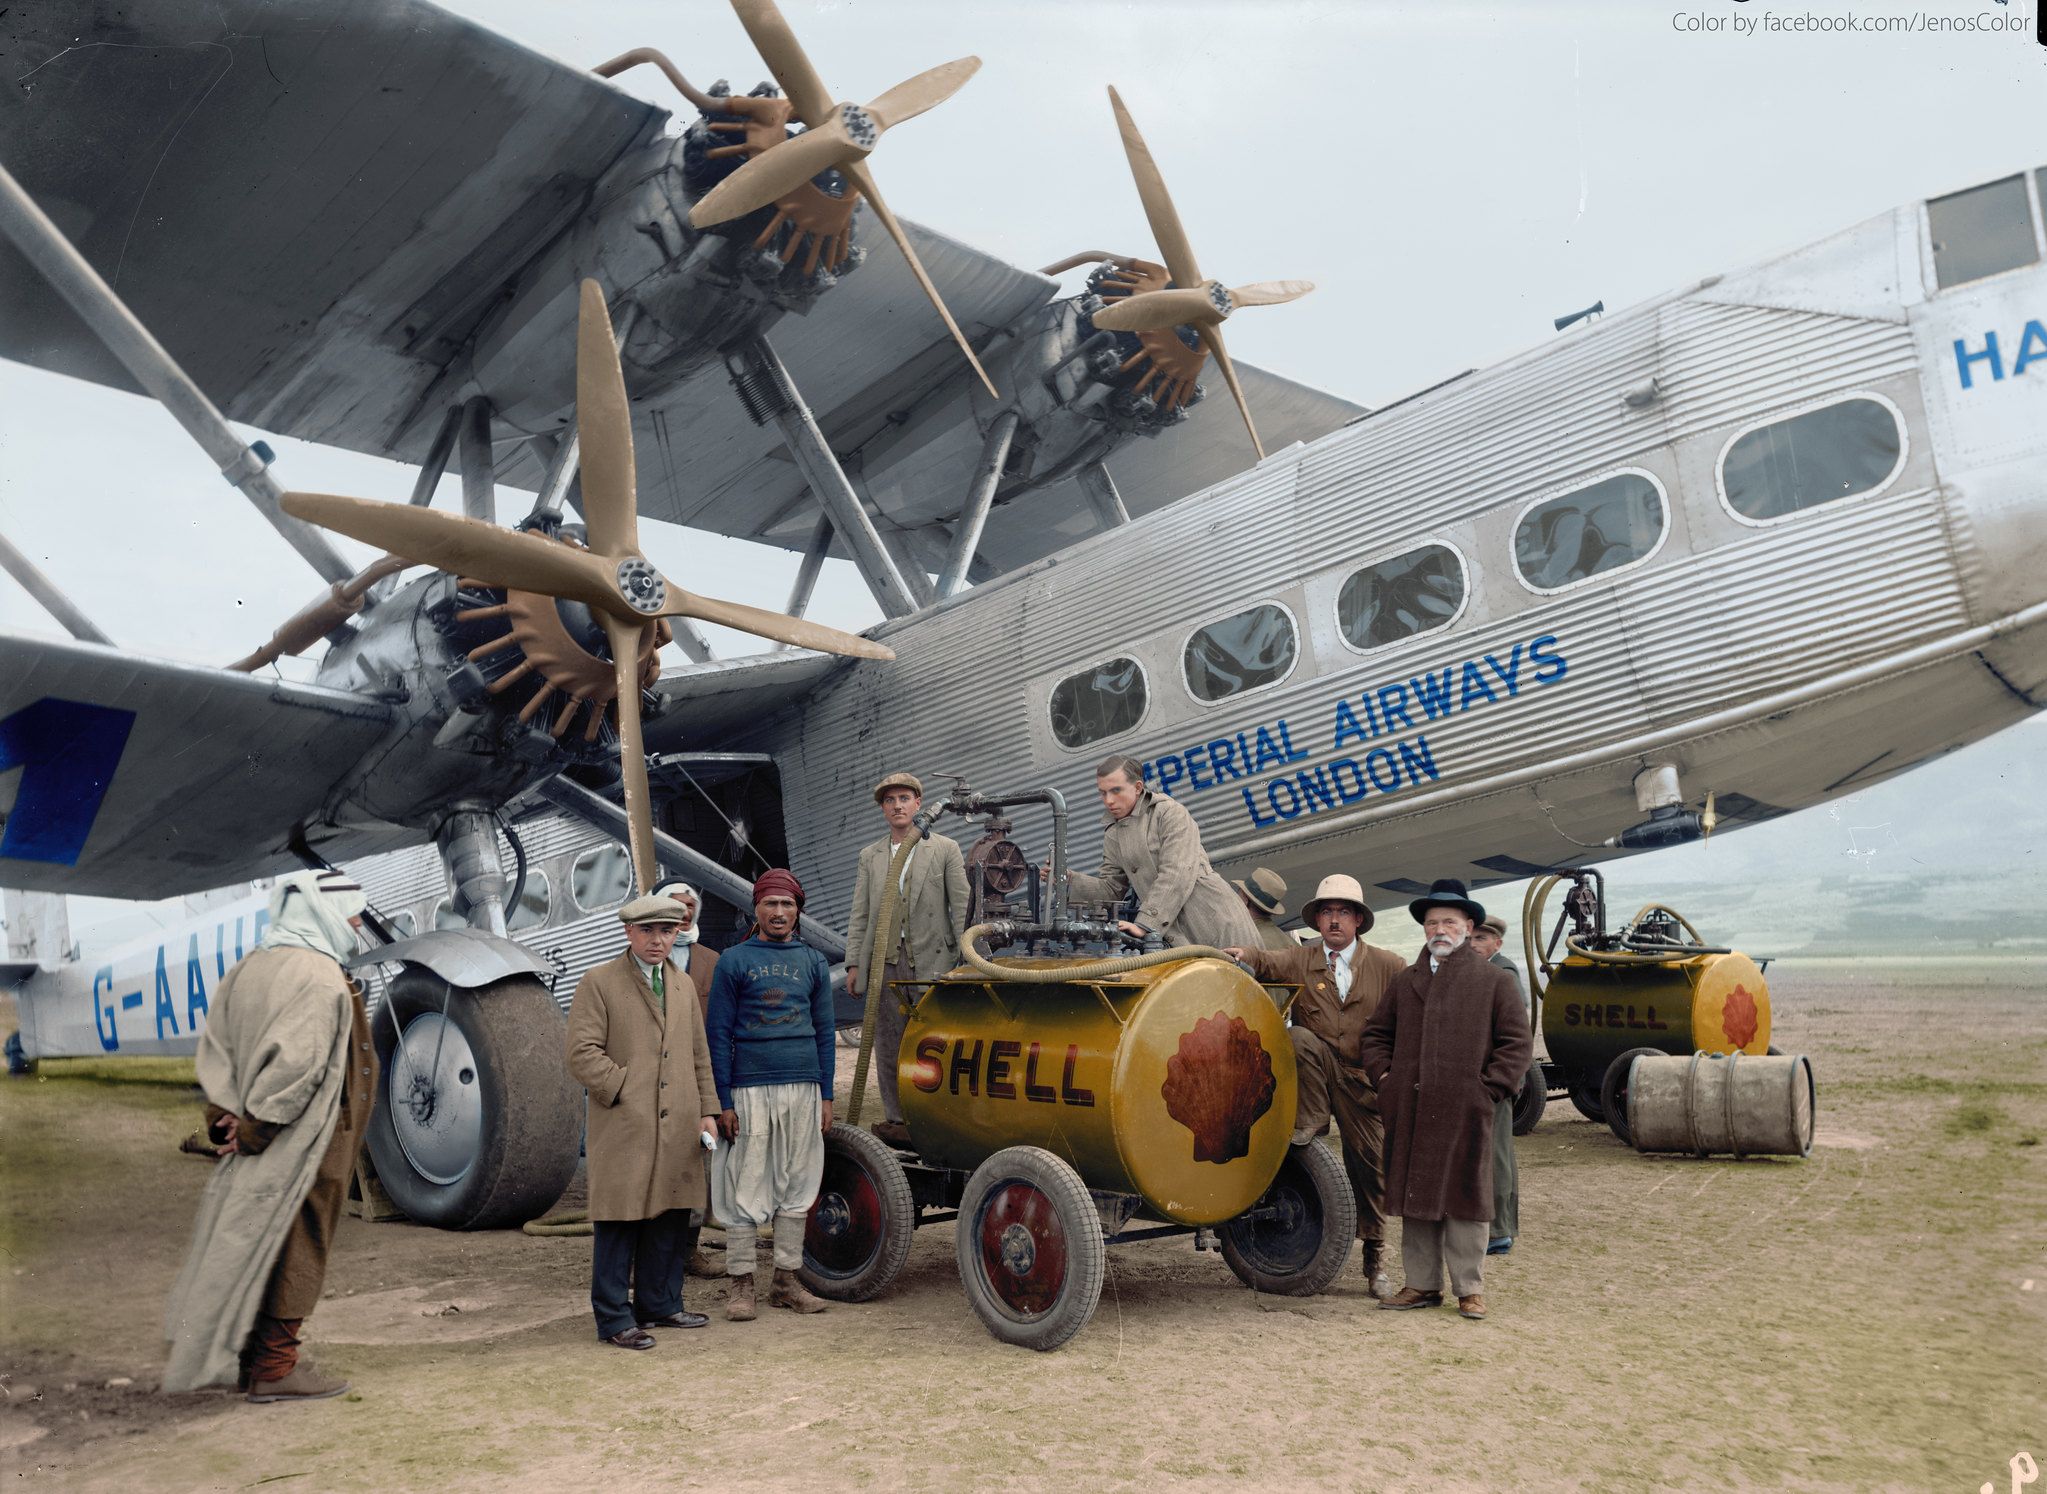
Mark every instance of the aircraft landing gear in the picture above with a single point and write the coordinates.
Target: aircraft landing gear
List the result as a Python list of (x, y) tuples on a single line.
[(477, 1124)]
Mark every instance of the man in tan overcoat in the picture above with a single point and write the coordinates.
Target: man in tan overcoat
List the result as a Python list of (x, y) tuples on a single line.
[(636, 1043), (1341, 980), (1449, 1042), (931, 914), (1153, 846)]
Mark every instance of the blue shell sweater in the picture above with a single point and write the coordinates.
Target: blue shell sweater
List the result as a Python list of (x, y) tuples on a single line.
[(770, 1018)]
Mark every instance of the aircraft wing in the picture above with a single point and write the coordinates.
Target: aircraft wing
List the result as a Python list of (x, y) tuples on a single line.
[(311, 205), (141, 778)]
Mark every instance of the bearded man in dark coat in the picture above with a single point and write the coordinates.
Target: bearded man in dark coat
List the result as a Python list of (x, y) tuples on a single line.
[(1449, 1041)]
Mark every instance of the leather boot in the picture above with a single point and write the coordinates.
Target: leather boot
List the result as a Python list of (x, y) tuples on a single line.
[(1378, 1280), (739, 1300), (304, 1383), (790, 1292)]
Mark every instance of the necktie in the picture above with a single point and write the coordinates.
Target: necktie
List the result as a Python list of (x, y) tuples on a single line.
[(660, 995)]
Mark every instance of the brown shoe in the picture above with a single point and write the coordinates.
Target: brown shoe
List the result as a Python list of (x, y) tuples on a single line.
[(631, 1338), (790, 1292), (702, 1266), (1472, 1307), (895, 1133), (1408, 1298), (739, 1303), (304, 1383)]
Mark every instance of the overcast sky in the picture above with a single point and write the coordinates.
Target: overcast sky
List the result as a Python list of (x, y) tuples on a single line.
[(1452, 176)]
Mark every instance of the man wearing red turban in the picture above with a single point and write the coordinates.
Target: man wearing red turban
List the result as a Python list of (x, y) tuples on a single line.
[(770, 1033)]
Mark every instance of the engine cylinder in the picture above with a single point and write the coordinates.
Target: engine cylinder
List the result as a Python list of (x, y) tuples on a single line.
[(1175, 1083)]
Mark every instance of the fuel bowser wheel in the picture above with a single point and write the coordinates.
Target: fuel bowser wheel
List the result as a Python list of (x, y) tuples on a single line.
[(860, 1227), (1584, 1095), (1530, 1102), (1613, 1091), (477, 1123), (1030, 1248), (1293, 1241)]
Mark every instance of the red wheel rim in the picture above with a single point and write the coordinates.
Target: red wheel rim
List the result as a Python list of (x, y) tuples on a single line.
[(1022, 1248), (845, 1227)]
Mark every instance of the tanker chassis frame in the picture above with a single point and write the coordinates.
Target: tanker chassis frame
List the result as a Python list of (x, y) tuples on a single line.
[(1031, 1238)]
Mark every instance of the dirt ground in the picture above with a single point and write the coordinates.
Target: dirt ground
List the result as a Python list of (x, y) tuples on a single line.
[(1872, 1317)]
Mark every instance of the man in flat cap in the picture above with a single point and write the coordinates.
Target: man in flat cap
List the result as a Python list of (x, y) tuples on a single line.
[(636, 1042), (1153, 847), (289, 1077), (1487, 938), (929, 915), (771, 1056), (1341, 980), (1448, 1043), (1261, 893)]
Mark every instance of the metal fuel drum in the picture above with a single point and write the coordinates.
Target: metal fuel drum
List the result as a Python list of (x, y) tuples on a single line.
[(1175, 1083), (1593, 1012)]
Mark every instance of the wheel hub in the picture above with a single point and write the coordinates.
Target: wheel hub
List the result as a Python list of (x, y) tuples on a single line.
[(831, 1216), (1022, 1249), (1019, 1251), (437, 1101)]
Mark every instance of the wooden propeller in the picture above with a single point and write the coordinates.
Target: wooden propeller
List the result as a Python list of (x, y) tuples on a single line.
[(1193, 300), (612, 577), (836, 137)]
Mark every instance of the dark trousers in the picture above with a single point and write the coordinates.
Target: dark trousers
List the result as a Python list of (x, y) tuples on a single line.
[(643, 1258)]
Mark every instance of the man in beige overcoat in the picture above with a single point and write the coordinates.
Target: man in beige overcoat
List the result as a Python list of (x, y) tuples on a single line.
[(1153, 846), (931, 914), (636, 1042), (1341, 980)]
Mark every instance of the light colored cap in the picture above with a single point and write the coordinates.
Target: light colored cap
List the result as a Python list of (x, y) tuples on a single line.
[(909, 781), (654, 908), (1337, 889), (1264, 888)]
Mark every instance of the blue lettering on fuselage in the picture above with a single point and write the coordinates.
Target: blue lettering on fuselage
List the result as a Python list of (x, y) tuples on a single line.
[(1387, 753), (1989, 358)]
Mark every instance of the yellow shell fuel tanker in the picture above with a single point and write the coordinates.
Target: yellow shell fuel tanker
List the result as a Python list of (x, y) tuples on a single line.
[(1174, 1083)]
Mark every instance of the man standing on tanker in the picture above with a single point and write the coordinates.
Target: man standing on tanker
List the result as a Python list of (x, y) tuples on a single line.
[(1341, 980), (1152, 846), (931, 914)]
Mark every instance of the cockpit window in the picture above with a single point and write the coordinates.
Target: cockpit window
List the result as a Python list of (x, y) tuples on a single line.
[(1983, 231), (1601, 527), (1241, 653), (1098, 702), (1837, 451), (1401, 597)]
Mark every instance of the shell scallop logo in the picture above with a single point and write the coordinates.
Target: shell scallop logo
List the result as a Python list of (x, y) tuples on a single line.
[(1738, 1017), (1218, 1085)]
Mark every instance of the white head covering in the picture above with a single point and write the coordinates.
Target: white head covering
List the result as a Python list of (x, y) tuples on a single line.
[(310, 910), (678, 891)]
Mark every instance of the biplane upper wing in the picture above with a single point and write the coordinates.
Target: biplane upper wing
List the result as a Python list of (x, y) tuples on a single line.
[(311, 205), (141, 778), (315, 207)]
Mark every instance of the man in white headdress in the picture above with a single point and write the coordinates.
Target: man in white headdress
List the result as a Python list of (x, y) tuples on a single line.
[(698, 960), (289, 1076)]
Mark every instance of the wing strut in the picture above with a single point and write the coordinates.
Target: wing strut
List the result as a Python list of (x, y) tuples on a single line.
[(44, 590), (45, 247), (769, 394)]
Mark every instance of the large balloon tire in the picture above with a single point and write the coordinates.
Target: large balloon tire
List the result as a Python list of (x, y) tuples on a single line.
[(530, 1133), (1302, 1245), (1030, 1248), (1531, 1101), (1585, 1097), (1613, 1091), (859, 1231)]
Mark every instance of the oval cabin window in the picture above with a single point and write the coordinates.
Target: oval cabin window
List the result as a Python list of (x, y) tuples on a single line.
[(1837, 451), (1241, 653), (601, 877), (1575, 536), (531, 911), (1401, 597), (1098, 702)]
